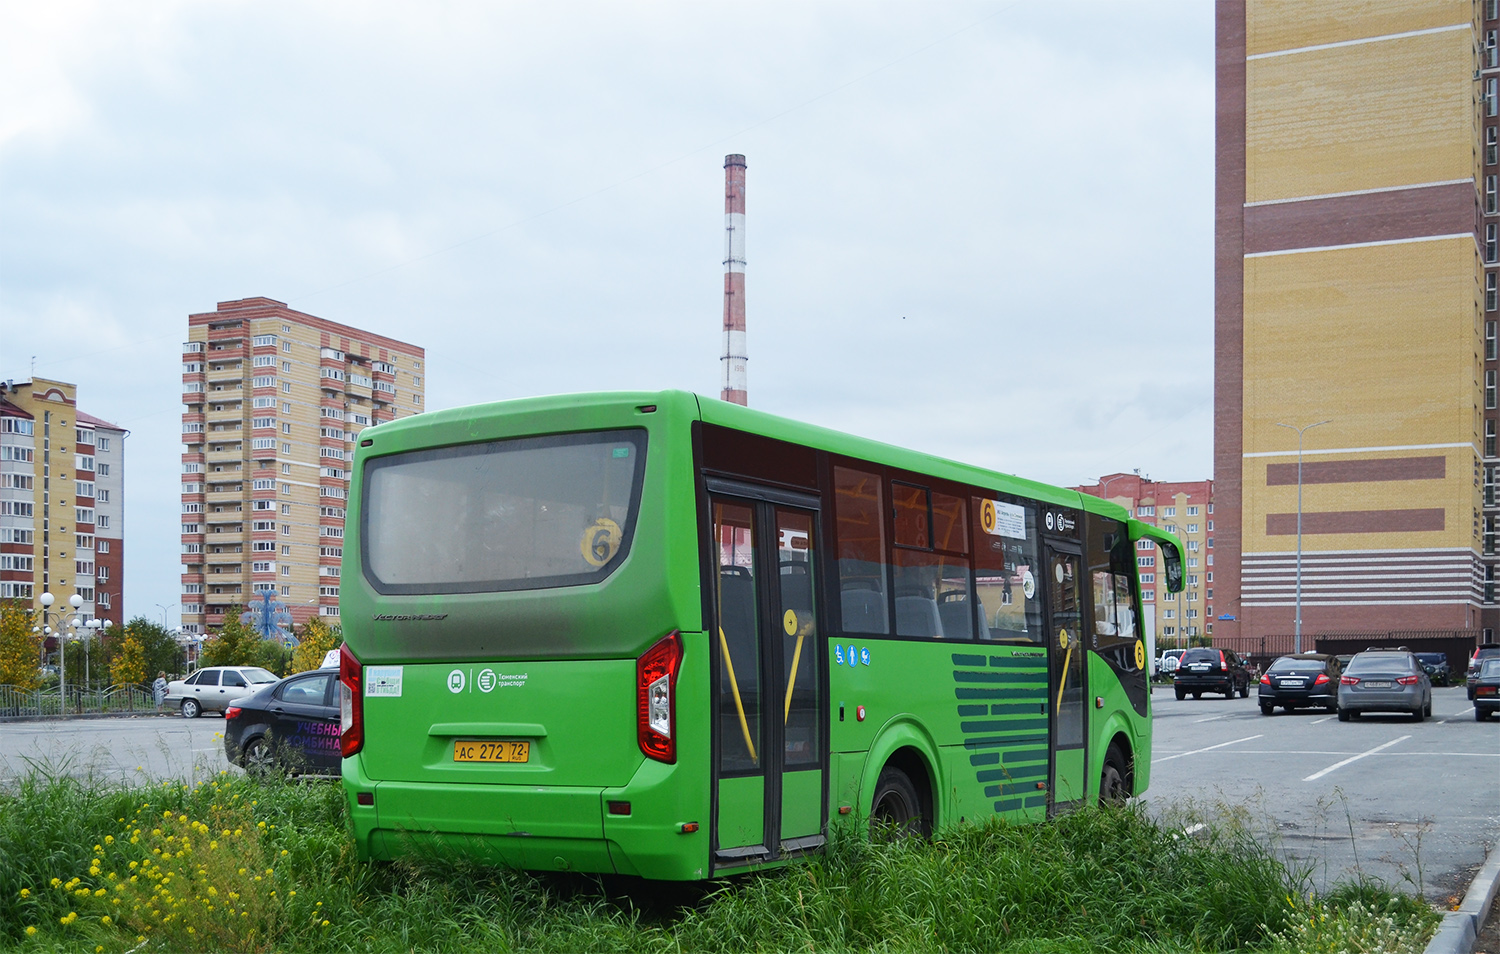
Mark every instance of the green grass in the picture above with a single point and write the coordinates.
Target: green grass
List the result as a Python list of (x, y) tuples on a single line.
[(237, 864)]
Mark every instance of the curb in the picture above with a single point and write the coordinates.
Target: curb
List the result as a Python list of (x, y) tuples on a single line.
[(1460, 929)]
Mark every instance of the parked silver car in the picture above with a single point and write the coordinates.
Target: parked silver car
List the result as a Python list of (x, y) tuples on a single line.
[(215, 687), (1384, 681)]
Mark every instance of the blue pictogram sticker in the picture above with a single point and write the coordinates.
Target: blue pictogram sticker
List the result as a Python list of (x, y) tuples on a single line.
[(838, 655), (864, 655), (853, 657)]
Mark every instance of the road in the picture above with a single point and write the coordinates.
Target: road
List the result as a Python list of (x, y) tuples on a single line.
[(148, 748), (1414, 804)]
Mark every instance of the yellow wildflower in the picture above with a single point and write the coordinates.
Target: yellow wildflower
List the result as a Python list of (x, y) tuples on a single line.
[(25, 892)]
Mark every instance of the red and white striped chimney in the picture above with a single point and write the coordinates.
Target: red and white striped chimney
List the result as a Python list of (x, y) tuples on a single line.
[(736, 355)]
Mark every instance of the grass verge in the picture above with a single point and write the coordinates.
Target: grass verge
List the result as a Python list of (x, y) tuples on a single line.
[(243, 865)]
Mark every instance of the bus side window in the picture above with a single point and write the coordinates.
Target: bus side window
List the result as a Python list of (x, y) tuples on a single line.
[(859, 512), (1006, 571)]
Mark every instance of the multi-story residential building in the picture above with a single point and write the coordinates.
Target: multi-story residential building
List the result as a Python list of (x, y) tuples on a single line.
[(62, 500), (1185, 508), (1356, 273), (275, 401)]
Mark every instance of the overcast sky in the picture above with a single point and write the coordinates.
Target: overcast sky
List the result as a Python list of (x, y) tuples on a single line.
[(983, 230)]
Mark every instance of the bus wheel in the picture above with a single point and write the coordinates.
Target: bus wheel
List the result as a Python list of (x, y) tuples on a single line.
[(896, 811), (1113, 788)]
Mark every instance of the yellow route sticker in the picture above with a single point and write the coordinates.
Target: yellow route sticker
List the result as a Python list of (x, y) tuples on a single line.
[(601, 541), (1140, 654), (1062, 638), (987, 516), (789, 622)]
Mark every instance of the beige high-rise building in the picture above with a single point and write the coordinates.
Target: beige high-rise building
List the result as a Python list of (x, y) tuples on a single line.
[(1356, 274), (275, 402), (62, 502)]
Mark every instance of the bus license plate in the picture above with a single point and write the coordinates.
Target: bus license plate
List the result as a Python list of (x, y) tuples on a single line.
[(480, 750)]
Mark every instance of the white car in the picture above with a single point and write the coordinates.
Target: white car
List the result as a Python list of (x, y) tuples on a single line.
[(215, 688), (1167, 661)]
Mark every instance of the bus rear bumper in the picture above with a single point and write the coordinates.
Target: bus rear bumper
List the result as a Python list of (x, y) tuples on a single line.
[(562, 831), (566, 828)]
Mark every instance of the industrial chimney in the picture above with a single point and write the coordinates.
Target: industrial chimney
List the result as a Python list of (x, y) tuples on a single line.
[(735, 388)]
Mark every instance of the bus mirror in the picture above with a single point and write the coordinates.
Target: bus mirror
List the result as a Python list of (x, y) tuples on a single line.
[(1171, 561)]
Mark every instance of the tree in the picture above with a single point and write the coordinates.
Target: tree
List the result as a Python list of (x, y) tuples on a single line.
[(159, 647), (317, 639), (128, 667), (20, 648), (233, 644)]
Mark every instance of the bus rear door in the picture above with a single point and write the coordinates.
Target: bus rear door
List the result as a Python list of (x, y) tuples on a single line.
[(768, 697)]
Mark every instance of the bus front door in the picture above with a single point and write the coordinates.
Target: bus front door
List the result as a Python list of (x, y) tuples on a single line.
[(1065, 700), (769, 752)]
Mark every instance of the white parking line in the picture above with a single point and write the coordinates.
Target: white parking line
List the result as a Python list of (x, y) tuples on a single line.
[(1322, 720), (1209, 719), (1353, 758), (1168, 758), (1460, 715)]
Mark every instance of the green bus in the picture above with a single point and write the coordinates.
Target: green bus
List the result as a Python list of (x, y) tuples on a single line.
[(572, 622)]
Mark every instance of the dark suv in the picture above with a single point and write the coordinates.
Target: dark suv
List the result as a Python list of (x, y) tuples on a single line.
[(1486, 651), (1436, 667), (1211, 670), (1307, 679)]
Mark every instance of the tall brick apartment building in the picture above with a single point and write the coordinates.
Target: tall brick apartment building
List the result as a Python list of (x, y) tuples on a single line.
[(1357, 281), (62, 501), (1185, 508), (275, 401)]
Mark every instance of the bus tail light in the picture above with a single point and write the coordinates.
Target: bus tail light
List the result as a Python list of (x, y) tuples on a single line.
[(656, 698), (351, 703)]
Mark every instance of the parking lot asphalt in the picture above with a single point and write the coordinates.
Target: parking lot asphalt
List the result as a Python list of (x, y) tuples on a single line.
[(1416, 805), (116, 749)]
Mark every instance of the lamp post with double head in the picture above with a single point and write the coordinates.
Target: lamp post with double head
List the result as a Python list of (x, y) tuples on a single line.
[(75, 602), (1297, 639)]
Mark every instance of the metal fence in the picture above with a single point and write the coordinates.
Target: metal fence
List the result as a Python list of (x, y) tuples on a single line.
[(1457, 644), (15, 701)]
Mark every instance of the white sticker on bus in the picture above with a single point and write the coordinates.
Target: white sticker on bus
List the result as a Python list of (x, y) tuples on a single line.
[(1001, 519), (383, 681)]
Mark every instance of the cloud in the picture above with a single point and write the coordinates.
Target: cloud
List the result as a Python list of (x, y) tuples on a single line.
[(983, 231)]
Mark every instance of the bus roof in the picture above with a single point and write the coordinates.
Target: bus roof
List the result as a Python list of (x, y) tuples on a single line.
[(723, 413)]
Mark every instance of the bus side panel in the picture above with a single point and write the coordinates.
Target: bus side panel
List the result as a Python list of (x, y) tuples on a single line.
[(652, 839), (983, 705), (1116, 717)]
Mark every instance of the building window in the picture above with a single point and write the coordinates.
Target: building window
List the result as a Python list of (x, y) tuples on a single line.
[(1492, 145), (1491, 51), (1489, 390), (1489, 242), (1489, 438), (1489, 535), (1489, 195), (1490, 92)]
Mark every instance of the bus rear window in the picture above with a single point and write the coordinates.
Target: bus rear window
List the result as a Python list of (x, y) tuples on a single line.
[(503, 515)]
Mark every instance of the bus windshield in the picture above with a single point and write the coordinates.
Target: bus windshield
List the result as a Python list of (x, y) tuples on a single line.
[(502, 515)]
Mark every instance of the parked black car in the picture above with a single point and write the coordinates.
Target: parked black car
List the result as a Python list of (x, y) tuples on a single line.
[(1486, 689), (1306, 679), (1481, 653), (1211, 670), (1436, 667), (289, 726)]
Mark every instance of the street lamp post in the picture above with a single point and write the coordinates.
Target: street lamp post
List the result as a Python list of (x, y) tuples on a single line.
[(163, 613), (1297, 639), (75, 601)]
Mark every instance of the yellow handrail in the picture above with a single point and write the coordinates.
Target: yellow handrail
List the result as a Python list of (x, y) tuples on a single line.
[(734, 687), (791, 683)]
